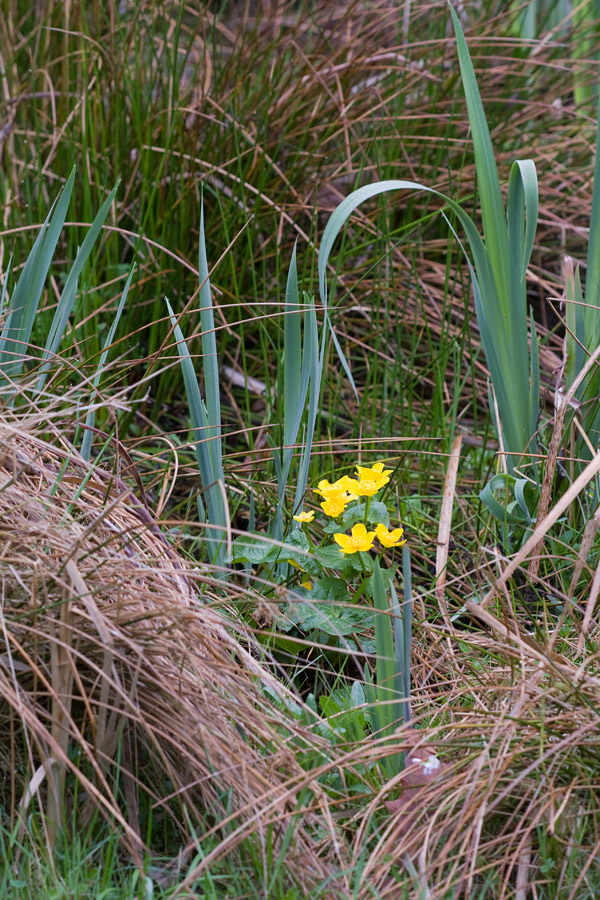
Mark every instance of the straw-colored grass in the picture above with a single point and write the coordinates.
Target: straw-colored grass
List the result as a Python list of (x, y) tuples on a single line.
[(112, 654)]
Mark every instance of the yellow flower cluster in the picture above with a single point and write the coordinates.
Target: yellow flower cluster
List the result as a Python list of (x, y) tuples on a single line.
[(337, 495), (362, 539)]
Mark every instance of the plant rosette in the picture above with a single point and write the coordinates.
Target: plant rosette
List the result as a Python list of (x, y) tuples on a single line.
[(360, 527), (328, 579)]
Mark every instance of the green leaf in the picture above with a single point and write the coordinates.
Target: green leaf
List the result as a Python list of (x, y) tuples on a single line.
[(378, 513), (26, 296), (488, 183), (333, 590), (515, 510), (247, 548), (69, 292), (387, 575), (297, 538), (208, 458), (331, 556), (336, 621)]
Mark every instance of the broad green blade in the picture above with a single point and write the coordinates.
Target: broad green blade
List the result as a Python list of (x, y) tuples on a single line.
[(592, 278), (488, 183), (294, 390), (313, 363), (522, 214), (522, 192), (407, 617), (26, 296), (203, 434), (210, 362), (384, 643), (292, 353), (575, 342), (534, 385), (67, 298)]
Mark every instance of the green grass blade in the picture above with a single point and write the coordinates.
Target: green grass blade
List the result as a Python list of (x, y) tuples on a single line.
[(407, 611), (86, 444), (294, 396), (4, 295), (310, 358), (492, 208), (523, 197), (389, 667), (204, 436), (312, 365), (27, 293), (534, 383), (68, 296), (575, 322), (210, 362), (591, 313), (522, 214), (384, 643), (292, 354), (400, 675)]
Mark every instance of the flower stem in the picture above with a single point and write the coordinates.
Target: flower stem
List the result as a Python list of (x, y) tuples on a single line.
[(360, 591)]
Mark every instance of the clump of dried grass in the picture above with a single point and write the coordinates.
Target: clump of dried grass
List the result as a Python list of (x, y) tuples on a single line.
[(519, 743), (111, 650)]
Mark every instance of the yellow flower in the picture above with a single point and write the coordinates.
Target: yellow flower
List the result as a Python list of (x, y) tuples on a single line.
[(367, 487), (369, 481), (335, 504), (374, 473), (307, 585), (345, 484), (304, 517), (340, 486), (325, 489), (390, 538), (361, 539)]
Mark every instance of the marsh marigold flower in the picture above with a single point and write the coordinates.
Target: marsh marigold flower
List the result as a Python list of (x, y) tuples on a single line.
[(304, 517), (361, 539), (366, 487), (325, 488), (376, 472), (340, 486), (369, 481), (335, 504), (390, 538)]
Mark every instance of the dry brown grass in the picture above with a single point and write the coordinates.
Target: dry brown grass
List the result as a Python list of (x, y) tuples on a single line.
[(111, 650)]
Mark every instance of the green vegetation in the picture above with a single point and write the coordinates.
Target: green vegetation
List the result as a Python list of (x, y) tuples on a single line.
[(298, 487)]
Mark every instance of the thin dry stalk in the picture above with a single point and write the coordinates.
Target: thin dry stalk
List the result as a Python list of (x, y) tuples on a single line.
[(445, 527), (549, 469)]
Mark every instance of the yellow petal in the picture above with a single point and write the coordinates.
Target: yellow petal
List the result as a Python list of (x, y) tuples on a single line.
[(304, 516)]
